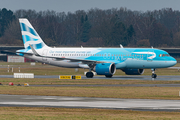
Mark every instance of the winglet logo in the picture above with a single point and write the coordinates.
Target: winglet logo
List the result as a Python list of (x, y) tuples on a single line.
[(151, 55)]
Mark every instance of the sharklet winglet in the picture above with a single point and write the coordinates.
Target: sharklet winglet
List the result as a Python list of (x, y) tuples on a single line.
[(121, 46), (34, 51)]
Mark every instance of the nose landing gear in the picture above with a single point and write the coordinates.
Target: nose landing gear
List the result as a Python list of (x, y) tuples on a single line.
[(153, 73)]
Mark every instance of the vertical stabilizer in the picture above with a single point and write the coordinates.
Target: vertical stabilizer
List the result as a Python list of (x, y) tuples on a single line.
[(30, 36)]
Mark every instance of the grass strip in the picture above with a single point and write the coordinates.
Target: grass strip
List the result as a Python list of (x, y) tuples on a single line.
[(29, 113), (56, 81), (104, 92)]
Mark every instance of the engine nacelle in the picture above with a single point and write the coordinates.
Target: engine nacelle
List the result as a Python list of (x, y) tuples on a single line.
[(133, 71), (105, 68)]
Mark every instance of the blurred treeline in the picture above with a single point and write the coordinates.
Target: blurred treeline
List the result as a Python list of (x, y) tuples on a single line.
[(96, 27)]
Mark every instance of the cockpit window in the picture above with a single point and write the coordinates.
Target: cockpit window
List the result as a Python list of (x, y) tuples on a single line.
[(163, 55)]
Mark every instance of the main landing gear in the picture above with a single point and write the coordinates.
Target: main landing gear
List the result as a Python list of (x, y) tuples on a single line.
[(89, 74), (153, 73), (109, 76)]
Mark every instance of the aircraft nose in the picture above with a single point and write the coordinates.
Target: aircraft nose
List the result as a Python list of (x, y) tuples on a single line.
[(173, 61)]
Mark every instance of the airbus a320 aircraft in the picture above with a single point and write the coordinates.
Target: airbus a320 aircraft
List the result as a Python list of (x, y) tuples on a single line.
[(104, 61)]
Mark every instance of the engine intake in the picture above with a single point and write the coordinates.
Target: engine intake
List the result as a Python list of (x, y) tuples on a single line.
[(133, 71), (105, 69)]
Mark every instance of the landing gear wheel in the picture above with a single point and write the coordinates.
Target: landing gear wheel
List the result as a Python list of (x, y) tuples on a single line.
[(89, 75), (108, 76), (154, 75)]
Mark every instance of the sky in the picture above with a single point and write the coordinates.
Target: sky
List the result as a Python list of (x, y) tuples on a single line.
[(74, 5)]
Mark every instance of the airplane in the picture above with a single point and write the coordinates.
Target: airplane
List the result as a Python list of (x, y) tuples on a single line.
[(103, 61)]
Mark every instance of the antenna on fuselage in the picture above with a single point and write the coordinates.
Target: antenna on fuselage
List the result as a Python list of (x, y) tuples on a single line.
[(121, 46), (152, 47), (81, 46)]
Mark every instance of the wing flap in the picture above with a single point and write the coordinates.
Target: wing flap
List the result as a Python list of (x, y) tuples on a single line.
[(75, 60)]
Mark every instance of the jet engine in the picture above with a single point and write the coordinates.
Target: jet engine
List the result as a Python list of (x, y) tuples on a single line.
[(107, 69), (133, 71)]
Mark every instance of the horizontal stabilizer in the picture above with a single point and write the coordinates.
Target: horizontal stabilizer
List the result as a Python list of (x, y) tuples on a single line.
[(25, 53)]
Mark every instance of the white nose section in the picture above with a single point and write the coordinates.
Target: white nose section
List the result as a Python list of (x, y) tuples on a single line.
[(174, 63)]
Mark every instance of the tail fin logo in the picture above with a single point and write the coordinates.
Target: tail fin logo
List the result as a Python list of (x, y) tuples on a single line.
[(26, 28), (30, 36)]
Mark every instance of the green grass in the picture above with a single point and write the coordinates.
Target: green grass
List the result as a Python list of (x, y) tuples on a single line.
[(56, 81), (104, 92), (30, 113)]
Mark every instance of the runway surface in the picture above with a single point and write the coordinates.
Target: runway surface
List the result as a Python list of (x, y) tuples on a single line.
[(127, 77), (83, 102)]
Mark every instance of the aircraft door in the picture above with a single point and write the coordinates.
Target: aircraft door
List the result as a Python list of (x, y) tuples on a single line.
[(44, 54)]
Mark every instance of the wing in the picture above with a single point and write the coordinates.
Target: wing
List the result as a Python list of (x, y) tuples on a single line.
[(76, 60)]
